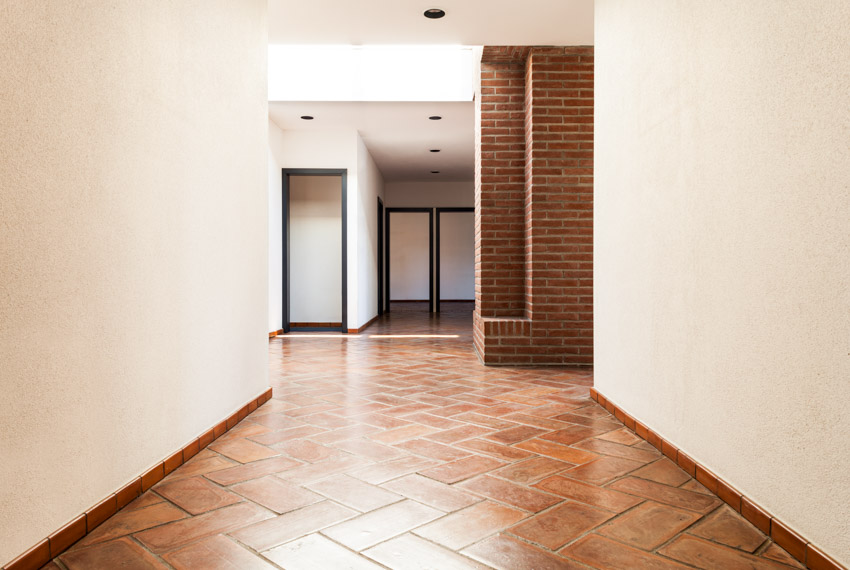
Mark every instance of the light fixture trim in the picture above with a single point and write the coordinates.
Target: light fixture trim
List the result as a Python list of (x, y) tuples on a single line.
[(435, 117), (435, 172), (307, 117), (435, 150), (434, 13)]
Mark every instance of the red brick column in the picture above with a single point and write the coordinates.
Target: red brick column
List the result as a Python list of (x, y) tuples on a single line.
[(534, 206)]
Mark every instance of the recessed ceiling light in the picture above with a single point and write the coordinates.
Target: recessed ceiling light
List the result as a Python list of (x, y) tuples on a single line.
[(435, 117), (435, 172), (435, 150), (307, 117), (434, 13)]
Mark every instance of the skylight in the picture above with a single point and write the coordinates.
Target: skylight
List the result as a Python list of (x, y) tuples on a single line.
[(370, 73)]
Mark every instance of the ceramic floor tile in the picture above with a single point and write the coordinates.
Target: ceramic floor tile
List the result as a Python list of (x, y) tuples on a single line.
[(250, 471), (666, 494), (626, 452), (306, 450), (368, 449), (122, 553), (382, 472), (432, 493), (532, 470), (131, 521), (462, 528), (315, 551), (354, 493), (557, 451), (727, 527), (602, 470), (589, 494), (377, 526), (705, 554), (560, 525), (201, 465), (292, 525), (516, 466), (622, 436), (175, 534), (243, 450), (509, 493), (663, 471), (506, 553), (497, 450), (515, 434), (461, 469), (409, 552), (458, 434), (649, 525), (606, 554), (215, 553), (276, 494), (432, 450), (412, 431), (197, 495), (275, 438)]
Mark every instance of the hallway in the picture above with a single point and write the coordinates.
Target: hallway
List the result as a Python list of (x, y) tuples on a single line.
[(397, 444)]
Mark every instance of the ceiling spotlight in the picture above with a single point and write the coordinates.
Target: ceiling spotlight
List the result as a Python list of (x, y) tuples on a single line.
[(307, 117), (435, 150), (434, 13), (435, 172), (435, 117)]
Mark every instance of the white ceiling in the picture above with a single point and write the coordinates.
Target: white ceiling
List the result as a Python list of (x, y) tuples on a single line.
[(399, 135), (467, 22)]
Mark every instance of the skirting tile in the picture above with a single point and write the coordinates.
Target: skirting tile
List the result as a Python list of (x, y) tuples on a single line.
[(784, 536), (62, 539)]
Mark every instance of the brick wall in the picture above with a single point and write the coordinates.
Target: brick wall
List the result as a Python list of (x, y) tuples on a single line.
[(534, 206)]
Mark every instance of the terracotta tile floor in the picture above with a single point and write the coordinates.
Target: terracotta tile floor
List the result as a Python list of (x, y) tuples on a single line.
[(396, 448)]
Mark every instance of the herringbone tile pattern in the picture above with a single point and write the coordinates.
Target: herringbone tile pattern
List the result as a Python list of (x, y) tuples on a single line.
[(396, 448)]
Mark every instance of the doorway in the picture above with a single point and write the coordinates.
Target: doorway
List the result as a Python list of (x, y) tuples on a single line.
[(409, 256), (455, 249), (315, 264)]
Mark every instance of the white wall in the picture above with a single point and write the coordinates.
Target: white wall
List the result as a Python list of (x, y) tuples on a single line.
[(315, 249), (722, 248), (329, 149), (133, 245), (457, 255), (430, 194), (409, 268), (370, 184)]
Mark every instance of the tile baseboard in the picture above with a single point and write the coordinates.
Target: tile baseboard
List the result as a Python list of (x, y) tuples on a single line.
[(62, 539), (273, 334), (364, 327), (797, 546)]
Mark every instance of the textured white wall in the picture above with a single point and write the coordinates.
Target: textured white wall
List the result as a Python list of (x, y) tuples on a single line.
[(277, 144), (722, 242), (457, 255), (430, 194), (329, 149), (409, 268), (315, 249), (133, 257), (370, 184)]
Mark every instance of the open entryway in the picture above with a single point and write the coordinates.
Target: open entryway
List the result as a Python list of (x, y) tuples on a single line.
[(455, 264), (314, 250), (409, 258)]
